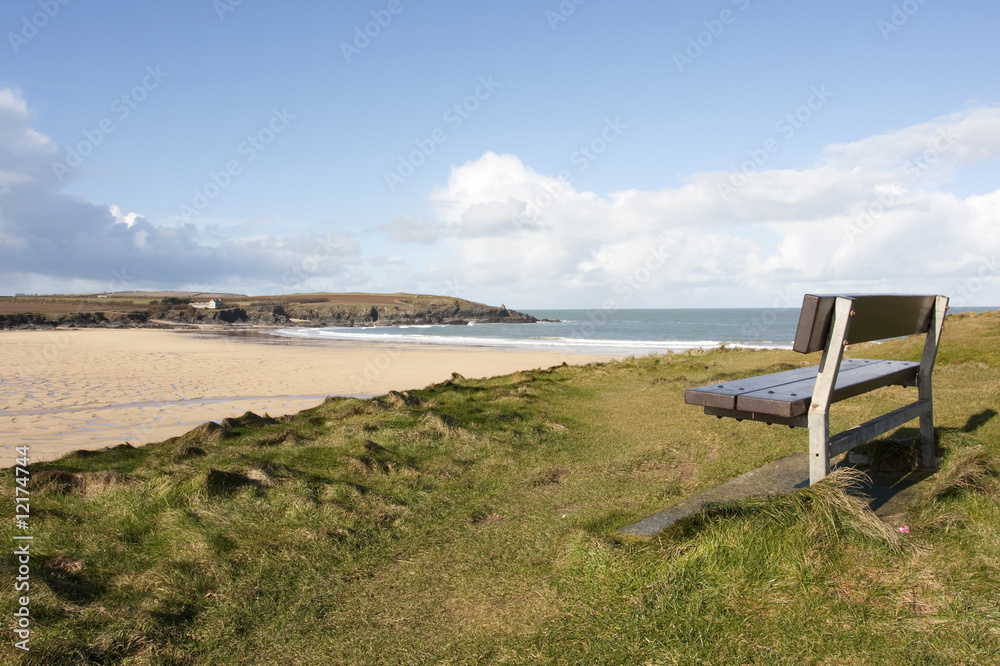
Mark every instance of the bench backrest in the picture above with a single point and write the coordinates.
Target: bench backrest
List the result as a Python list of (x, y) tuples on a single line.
[(875, 318)]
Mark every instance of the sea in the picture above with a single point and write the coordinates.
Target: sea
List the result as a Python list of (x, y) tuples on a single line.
[(617, 332)]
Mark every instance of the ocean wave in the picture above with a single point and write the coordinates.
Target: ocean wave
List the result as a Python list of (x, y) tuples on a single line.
[(581, 345)]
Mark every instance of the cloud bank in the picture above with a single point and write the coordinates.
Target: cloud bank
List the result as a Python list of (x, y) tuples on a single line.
[(55, 242), (872, 215)]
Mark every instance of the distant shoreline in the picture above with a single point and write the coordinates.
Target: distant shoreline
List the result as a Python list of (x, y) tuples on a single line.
[(152, 310)]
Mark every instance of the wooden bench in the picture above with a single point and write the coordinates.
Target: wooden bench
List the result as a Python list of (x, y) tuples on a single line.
[(802, 397)]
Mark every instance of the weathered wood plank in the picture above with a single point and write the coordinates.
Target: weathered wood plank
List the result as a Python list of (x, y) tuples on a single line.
[(723, 395), (794, 398), (789, 393), (874, 318), (769, 419)]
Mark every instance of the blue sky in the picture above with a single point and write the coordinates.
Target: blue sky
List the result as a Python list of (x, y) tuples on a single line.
[(540, 154)]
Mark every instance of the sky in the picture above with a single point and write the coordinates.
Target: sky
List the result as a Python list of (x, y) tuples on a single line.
[(539, 154)]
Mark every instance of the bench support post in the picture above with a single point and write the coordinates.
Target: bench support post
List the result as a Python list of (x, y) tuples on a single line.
[(927, 458), (826, 379)]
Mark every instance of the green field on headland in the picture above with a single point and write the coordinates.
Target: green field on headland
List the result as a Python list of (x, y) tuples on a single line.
[(475, 521), (168, 309)]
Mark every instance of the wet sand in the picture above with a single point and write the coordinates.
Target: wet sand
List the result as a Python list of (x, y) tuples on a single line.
[(90, 388)]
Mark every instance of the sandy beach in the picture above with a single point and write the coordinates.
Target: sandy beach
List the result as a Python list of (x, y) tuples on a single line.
[(72, 389)]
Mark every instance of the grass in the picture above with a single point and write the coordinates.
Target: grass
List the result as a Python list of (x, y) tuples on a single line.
[(476, 522)]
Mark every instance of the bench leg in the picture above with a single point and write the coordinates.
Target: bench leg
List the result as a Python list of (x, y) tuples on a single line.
[(924, 388), (819, 446), (927, 458), (826, 379)]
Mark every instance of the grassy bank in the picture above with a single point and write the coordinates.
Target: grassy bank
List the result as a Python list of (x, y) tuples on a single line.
[(475, 522)]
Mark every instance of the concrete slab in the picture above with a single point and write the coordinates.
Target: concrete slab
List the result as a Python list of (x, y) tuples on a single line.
[(893, 494), (889, 493), (775, 478)]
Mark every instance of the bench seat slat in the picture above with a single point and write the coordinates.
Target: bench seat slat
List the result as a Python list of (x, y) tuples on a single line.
[(788, 394), (794, 399), (723, 395)]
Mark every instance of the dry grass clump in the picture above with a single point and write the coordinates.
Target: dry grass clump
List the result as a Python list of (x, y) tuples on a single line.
[(400, 400), (54, 480), (248, 420), (836, 504), (286, 437), (970, 469), (828, 511), (220, 482), (64, 565), (268, 475), (190, 451), (100, 482), (206, 433), (85, 483)]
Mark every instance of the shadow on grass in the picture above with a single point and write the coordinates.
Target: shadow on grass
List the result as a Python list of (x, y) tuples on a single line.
[(887, 482), (977, 421), (68, 585), (886, 486)]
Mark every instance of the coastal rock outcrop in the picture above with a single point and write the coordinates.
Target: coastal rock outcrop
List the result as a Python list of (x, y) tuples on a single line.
[(296, 310)]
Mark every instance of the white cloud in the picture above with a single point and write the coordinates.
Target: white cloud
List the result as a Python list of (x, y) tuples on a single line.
[(120, 218), (12, 102), (412, 229), (53, 242), (872, 215), (959, 139)]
